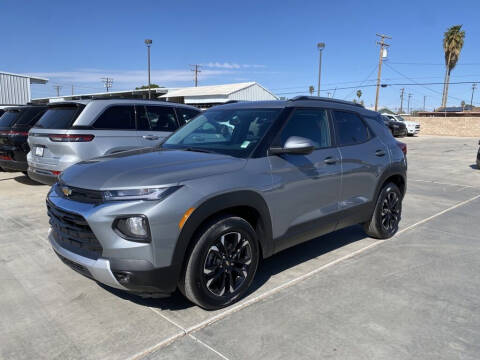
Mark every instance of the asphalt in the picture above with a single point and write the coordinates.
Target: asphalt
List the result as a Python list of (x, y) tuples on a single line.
[(341, 296)]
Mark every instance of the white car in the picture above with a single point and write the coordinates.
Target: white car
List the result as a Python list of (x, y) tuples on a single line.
[(413, 128)]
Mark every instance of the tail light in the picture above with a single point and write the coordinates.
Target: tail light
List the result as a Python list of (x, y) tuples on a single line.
[(21, 133), (71, 137), (11, 132), (402, 147), (5, 157), (56, 173)]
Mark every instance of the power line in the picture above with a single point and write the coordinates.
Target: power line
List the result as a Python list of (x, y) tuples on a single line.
[(363, 82)]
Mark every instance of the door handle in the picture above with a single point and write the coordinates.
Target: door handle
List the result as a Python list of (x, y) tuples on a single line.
[(330, 160), (150, 137), (380, 153)]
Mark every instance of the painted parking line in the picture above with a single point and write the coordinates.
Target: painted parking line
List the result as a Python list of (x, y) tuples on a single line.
[(246, 303), (443, 183)]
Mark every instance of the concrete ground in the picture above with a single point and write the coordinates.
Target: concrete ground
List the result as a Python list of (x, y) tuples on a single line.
[(340, 296)]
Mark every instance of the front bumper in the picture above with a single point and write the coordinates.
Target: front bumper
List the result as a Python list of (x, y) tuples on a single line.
[(145, 269), (131, 275)]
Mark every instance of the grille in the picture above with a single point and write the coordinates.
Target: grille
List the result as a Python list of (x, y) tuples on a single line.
[(81, 195), (77, 267), (417, 126), (72, 232)]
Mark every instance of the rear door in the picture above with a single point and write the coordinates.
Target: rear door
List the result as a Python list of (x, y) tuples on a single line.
[(364, 158), (155, 123), (115, 130)]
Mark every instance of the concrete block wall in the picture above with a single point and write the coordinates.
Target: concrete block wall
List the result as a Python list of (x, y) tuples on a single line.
[(451, 126)]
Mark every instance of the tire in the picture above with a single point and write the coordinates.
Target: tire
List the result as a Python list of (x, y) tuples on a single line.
[(387, 214), (208, 275)]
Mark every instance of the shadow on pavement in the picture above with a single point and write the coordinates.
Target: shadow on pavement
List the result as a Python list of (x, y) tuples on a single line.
[(269, 267), (474, 166), (27, 181)]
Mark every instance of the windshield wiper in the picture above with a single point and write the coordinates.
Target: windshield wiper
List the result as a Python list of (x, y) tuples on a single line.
[(197, 150)]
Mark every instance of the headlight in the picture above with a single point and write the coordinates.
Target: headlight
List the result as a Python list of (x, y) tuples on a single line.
[(139, 194), (133, 228)]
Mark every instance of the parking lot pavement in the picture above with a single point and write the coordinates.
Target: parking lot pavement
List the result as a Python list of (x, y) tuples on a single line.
[(343, 295)]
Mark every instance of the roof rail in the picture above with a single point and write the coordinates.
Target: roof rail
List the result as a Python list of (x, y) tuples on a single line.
[(319, 98)]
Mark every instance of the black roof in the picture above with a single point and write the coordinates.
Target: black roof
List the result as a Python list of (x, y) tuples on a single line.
[(299, 101)]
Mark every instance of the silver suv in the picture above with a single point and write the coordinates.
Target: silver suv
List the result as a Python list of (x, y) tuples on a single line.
[(238, 183), (70, 132)]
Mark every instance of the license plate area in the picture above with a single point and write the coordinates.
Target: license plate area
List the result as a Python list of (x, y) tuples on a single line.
[(39, 151)]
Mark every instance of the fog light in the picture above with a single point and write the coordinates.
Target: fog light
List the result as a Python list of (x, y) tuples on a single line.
[(134, 228)]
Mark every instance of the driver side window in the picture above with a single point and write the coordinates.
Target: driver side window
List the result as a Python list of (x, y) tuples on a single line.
[(308, 123)]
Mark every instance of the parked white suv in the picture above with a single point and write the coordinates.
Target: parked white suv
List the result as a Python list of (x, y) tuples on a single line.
[(413, 128), (70, 132)]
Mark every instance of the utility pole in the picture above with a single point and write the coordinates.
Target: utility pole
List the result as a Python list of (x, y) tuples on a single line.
[(401, 99), (474, 86), (383, 47), (196, 70), (107, 82), (148, 42), (57, 88), (320, 47), (72, 89), (424, 98), (409, 96)]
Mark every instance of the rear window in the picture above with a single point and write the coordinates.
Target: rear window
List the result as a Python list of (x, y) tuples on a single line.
[(30, 116), (58, 118), (117, 118), (349, 128), (8, 118), (185, 115)]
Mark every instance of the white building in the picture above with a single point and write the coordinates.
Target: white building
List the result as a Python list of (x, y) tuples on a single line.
[(201, 96), (15, 88), (207, 96)]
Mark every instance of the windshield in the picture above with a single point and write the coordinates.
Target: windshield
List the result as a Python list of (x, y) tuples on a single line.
[(8, 118), (399, 118), (233, 132), (58, 118)]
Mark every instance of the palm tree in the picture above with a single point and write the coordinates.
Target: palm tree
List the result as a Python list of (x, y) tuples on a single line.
[(452, 45), (359, 94), (311, 89)]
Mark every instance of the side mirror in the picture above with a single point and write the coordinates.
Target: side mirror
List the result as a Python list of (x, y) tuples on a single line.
[(294, 145)]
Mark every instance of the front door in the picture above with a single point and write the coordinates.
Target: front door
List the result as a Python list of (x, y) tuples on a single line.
[(304, 198)]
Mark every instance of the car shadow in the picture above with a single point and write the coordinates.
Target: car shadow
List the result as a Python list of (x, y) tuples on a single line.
[(474, 166), (269, 267), (27, 181)]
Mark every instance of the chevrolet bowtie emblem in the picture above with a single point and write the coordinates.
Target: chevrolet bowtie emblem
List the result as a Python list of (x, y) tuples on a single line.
[(66, 191)]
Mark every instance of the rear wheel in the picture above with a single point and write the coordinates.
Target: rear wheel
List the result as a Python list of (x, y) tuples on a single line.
[(387, 214), (222, 263)]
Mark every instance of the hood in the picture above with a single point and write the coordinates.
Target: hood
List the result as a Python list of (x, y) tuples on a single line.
[(147, 167)]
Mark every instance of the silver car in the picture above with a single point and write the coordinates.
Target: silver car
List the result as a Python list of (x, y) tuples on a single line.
[(238, 183), (70, 132)]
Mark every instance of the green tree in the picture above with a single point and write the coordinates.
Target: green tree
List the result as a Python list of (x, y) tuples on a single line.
[(311, 89), (359, 94), (152, 86), (452, 46)]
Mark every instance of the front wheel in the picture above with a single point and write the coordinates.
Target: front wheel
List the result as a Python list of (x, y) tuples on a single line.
[(387, 214), (222, 263)]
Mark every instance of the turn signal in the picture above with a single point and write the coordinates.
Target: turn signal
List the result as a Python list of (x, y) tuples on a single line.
[(185, 217)]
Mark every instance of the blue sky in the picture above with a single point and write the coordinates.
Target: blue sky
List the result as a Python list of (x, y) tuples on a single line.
[(271, 42)]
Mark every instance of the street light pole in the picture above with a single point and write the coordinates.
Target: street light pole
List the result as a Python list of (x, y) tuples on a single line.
[(320, 47), (148, 42), (474, 86)]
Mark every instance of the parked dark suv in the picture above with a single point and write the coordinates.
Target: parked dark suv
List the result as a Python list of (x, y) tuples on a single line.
[(14, 126), (397, 128), (237, 183)]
